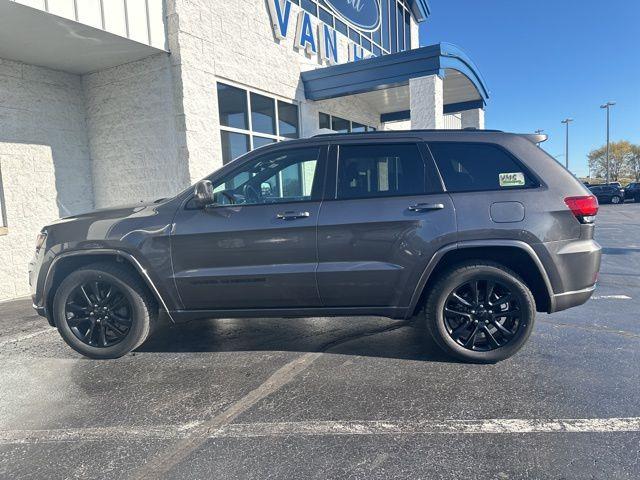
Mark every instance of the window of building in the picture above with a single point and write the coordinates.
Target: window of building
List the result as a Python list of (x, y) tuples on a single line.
[(324, 121), (341, 125), (358, 127), (263, 114), (232, 104), (288, 120), (280, 177), (234, 144), (469, 167), (380, 171), (249, 120)]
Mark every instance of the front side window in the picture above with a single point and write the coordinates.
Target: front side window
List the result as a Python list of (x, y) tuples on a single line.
[(280, 177), (366, 171), (468, 167)]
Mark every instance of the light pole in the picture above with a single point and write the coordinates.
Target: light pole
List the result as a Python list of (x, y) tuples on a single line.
[(608, 106), (567, 121)]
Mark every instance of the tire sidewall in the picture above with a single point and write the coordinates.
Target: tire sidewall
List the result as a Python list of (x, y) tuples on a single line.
[(139, 314), (527, 305)]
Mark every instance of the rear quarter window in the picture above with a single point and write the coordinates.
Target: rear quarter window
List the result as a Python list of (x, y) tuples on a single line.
[(469, 167)]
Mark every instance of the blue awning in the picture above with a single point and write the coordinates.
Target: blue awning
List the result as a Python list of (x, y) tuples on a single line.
[(393, 70)]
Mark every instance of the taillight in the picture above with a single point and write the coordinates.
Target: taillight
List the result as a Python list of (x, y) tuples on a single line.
[(584, 208)]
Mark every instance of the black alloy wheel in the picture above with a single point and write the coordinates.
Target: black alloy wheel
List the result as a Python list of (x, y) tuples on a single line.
[(98, 313), (482, 315), (480, 311), (104, 310)]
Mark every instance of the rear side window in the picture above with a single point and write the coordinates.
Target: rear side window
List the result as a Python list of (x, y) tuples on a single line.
[(467, 167), (366, 171)]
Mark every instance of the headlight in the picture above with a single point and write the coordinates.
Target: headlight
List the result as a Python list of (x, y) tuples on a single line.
[(40, 239)]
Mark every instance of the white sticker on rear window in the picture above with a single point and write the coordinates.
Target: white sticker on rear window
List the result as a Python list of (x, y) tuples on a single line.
[(515, 179)]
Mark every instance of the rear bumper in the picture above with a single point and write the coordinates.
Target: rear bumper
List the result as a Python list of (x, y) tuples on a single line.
[(563, 301), (572, 267)]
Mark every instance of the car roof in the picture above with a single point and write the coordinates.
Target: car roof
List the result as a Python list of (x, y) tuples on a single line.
[(465, 135)]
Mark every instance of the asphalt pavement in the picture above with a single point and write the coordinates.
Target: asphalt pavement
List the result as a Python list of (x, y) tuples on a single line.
[(367, 397)]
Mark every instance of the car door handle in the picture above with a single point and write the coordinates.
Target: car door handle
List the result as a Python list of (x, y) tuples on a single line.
[(425, 207), (292, 215)]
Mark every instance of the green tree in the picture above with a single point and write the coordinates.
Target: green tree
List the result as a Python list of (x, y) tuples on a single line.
[(633, 162), (620, 154)]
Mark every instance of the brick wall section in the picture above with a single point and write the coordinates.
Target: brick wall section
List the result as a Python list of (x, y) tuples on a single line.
[(44, 160), (131, 123)]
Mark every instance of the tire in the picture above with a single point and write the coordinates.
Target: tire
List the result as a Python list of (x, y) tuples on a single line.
[(517, 321), (122, 329), (615, 199)]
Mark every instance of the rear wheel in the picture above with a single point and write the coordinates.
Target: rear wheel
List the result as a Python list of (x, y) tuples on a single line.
[(103, 311), (480, 312), (615, 200)]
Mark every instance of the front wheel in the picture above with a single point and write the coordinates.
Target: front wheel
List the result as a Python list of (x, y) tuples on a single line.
[(480, 312), (615, 200), (103, 311)]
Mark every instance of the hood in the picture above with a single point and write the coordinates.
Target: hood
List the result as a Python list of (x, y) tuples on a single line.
[(113, 213)]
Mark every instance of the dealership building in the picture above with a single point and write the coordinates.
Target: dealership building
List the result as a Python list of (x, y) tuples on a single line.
[(105, 102)]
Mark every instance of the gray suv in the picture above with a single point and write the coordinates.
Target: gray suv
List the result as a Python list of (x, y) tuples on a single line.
[(469, 233)]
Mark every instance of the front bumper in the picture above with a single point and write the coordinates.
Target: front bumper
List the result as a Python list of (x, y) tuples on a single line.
[(42, 311)]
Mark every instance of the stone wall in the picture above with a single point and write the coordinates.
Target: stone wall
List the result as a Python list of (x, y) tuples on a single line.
[(44, 161), (132, 123)]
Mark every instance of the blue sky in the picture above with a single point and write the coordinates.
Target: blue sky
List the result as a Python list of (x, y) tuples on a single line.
[(547, 60)]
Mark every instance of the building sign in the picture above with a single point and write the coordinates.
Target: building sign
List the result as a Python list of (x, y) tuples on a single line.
[(322, 39), (362, 14)]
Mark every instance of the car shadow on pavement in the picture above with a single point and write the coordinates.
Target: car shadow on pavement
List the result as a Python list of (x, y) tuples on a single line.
[(361, 336)]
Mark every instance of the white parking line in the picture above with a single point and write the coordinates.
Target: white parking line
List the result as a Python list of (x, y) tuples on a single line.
[(320, 428), (611, 297), (493, 426), (27, 336)]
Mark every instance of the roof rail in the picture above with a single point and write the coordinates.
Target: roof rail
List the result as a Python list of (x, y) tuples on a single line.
[(389, 132)]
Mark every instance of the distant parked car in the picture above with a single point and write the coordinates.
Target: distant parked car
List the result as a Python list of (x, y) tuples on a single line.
[(608, 193), (632, 192)]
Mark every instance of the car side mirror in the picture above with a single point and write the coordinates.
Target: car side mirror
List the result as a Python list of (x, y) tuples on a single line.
[(204, 193)]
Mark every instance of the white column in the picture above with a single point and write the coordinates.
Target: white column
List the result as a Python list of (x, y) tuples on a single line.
[(426, 102), (473, 118)]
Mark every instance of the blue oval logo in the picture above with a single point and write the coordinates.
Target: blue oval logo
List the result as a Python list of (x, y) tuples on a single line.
[(362, 14)]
